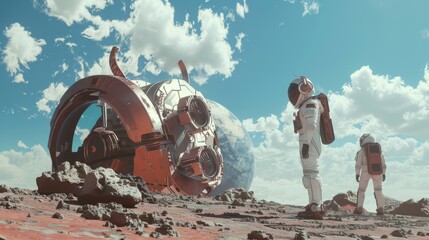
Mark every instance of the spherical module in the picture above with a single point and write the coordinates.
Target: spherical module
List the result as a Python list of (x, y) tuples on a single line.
[(236, 147)]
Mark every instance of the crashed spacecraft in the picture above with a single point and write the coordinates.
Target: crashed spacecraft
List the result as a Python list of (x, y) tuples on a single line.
[(162, 132)]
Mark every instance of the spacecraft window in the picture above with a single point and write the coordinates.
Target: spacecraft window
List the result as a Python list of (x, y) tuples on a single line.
[(199, 112)]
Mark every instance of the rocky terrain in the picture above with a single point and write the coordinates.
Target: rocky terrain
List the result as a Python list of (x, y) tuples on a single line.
[(236, 214)]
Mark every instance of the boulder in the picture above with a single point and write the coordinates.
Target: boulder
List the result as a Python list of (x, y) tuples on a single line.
[(412, 208), (103, 185), (67, 179), (236, 194), (344, 199), (4, 188)]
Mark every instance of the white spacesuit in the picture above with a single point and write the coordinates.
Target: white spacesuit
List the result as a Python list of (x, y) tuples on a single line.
[(365, 173), (307, 124)]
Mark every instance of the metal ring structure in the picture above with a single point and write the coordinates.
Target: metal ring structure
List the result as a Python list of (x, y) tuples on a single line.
[(152, 150)]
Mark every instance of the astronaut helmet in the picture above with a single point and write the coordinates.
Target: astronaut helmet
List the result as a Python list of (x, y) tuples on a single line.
[(366, 138), (300, 89)]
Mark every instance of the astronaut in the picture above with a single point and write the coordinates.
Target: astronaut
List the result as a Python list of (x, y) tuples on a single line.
[(307, 124), (370, 164)]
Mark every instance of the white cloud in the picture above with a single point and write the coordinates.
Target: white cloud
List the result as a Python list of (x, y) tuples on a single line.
[(102, 65), (80, 74), (242, 9), (238, 39), (71, 45), (19, 78), (21, 144), (381, 104), (102, 30), (20, 169), (310, 7), (79, 10), (73, 11), (56, 40), (162, 41), (230, 16), (51, 97), (21, 48), (82, 133), (63, 67), (368, 103), (152, 32)]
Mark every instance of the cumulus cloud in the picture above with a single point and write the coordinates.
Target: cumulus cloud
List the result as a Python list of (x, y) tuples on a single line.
[(152, 32), (20, 168), (242, 9), (51, 97), (19, 78), (21, 144), (20, 49), (155, 35), (82, 133), (310, 7), (238, 39), (74, 11), (379, 104), (101, 66)]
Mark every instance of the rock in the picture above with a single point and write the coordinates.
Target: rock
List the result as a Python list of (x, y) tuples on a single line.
[(343, 199), (384, 236), (155, 235), (4, 188), (206, 223), (366, 238), (301, 235), (101, 211), (62, 205), (166, 229), (58, 215), (151, 218), (141, 185), (67, 179), (259, 235), (238, 194), (142, 233), (399, 233), (103, 185), (412, 208)]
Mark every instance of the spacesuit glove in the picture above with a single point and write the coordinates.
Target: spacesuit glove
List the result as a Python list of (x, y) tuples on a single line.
[(304, 151), (357, 178), (384, 177)]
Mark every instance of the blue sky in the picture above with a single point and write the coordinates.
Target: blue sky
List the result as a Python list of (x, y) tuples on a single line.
[(369, 56)]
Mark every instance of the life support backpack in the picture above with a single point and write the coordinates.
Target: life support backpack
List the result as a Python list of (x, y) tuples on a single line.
[(373, 158), (326, 128)]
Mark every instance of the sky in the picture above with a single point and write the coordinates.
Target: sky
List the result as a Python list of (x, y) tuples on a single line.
[(369, 57)]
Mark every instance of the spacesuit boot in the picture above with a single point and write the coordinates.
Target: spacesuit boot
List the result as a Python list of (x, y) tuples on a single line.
[(379, 199), (315, 209)]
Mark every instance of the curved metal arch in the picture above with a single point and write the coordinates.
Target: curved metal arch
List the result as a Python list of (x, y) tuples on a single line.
[(125, 98)]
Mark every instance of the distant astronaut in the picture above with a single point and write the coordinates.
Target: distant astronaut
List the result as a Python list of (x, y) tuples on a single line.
[(370, 164), (314, 126)]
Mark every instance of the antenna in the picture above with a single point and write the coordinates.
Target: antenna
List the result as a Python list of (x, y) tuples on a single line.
[(113, 64), (184, 71)]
